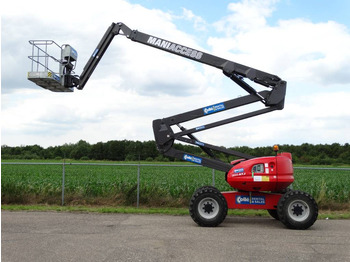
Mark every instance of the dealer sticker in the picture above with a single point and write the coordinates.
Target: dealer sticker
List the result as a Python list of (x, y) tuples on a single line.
[(193, 159), (240, 170), (213, 108), (253, 200)]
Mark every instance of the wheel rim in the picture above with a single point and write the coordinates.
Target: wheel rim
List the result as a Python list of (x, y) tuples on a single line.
[(298, 210), (208, 208)]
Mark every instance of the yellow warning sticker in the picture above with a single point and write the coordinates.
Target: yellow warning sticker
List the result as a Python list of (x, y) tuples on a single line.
[(265, 178), (261, 178)]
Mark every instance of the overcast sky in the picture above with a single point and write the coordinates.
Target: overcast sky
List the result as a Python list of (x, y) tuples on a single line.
[(306, 43)]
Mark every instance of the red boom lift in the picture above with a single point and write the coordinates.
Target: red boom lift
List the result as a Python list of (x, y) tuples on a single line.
[(260, 183)]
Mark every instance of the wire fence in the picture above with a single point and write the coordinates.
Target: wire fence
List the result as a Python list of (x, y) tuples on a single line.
[(139, 166)]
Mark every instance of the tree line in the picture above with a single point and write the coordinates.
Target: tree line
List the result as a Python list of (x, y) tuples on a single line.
[(125, 150)]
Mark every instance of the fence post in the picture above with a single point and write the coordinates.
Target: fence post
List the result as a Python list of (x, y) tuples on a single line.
[(138, 184), (213, 177), (63, 180)]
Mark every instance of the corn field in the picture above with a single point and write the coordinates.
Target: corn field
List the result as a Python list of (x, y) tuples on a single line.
[(159, 185)]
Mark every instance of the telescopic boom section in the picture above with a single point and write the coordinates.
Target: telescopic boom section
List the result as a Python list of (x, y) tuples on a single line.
[(164, 135), (234, 71)]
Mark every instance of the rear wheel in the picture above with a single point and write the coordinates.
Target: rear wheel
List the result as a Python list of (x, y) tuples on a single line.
[(208, 207), (297, 210)]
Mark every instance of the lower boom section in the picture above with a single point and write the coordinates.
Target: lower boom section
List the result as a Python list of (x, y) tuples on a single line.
[(251, 200), (211, 163)]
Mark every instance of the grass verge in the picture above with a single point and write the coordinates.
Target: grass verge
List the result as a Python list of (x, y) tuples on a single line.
[(323, 214)]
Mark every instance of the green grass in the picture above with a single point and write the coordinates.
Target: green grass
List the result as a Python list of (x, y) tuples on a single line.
[(159, 186), (97, 209), (326, 214)]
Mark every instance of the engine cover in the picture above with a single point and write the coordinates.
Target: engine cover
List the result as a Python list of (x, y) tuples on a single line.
[(272, 173)]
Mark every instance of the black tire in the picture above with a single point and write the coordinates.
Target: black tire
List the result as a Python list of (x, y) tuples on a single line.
[(273, 213), (208, 207), (297, 210)]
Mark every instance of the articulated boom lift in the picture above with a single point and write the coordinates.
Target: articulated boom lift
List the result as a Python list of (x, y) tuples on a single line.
[(261, 183)]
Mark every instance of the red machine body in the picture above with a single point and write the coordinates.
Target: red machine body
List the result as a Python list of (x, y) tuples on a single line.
[(273, 173)]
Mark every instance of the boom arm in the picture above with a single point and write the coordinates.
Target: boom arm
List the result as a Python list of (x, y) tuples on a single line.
[(164, 135), (234, 71)]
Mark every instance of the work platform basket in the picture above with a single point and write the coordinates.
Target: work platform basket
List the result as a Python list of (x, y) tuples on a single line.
[(44, 58)]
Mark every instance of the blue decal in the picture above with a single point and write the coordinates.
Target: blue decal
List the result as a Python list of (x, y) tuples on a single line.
[(200, 127), (240, 170), (213, 109), (192, 159), (74, 52), (95, 52), (56, 77), (254, 200), (199, 143)]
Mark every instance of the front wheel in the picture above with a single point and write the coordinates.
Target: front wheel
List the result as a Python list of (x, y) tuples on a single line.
[(208, 207), (297, 210)]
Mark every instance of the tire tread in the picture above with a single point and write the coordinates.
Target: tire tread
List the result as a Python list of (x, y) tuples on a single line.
[(202, 191)]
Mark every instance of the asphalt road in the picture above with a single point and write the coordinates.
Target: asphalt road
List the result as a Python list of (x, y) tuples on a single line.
[(50, 236)]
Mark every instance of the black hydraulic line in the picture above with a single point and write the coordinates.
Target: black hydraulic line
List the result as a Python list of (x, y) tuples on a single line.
[(239, 81), (205, 149)]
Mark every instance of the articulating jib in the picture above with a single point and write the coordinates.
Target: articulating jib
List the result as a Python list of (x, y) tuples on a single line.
[(165, 137)]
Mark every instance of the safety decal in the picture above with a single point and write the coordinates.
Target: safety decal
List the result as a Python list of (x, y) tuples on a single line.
[(261, 178), (267, 168)]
